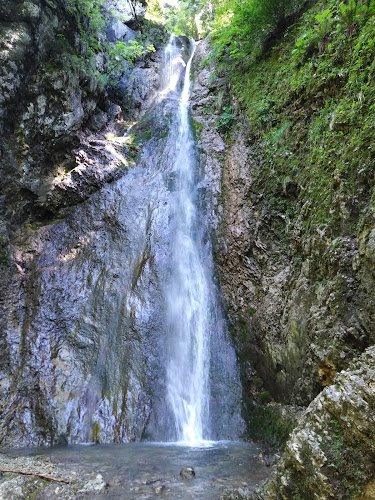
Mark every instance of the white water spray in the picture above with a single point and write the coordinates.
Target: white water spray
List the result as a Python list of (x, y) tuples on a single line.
[(188, 368), (202, 389), (173, 65)]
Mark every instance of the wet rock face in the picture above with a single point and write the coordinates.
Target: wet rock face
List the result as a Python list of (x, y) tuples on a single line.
[(210, 145), (81, 316), (63, 316), (299, 300), (84, 246), (41, 108)]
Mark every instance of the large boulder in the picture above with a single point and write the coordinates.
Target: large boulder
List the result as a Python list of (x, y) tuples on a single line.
[(331, 453)]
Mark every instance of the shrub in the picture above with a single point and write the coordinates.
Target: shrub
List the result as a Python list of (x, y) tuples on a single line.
[(226, 119)]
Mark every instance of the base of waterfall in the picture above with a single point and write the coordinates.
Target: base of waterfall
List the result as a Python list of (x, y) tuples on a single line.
[(133, 471)]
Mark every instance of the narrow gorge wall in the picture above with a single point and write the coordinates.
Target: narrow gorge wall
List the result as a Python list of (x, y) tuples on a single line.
[(299, 298), (294, 253), (65, 277), (83, 206)]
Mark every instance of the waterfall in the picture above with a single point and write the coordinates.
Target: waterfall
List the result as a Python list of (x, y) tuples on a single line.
[(126, 339), (188, 368), (195, 326)]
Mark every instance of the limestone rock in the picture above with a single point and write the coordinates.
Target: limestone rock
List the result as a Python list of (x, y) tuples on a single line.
[(298, 301), (159, 489), (50, 164), (94, 485), (330, 454)]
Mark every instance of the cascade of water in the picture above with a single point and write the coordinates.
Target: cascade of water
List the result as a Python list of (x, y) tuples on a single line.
[(188, 308), (202, 386), (172, 67)]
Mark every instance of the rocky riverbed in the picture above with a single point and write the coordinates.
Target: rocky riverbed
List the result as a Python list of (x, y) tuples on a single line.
[(132, 472)]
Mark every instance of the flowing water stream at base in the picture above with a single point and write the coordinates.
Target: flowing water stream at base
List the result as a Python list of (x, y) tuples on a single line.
[(140, 471)]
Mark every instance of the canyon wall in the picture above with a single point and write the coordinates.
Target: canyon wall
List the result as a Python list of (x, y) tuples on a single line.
[(69, 293), (298, 293)]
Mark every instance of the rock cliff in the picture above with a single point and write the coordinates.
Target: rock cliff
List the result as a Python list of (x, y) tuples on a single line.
[(81, 212), (61, 141), (297, 299), (298, 290)]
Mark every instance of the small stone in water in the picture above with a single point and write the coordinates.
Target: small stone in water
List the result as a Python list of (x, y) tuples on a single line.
[(187, 473), (159, 488)]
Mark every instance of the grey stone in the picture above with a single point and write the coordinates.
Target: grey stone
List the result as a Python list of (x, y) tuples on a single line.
[(187, 473), (159, 489), (118, 31)]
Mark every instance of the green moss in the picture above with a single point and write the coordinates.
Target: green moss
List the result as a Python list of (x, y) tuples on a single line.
[(334, 453), (4, 257), (311, 110), (95, 432), (258, 383), (348, 465), (147, 134), (268, 425), (45, 222), (264, 397), (4, 254), (251, 311), (197, 128)]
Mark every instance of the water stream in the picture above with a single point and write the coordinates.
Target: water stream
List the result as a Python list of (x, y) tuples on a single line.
[(148, 471), (187, 295), (194, 324)]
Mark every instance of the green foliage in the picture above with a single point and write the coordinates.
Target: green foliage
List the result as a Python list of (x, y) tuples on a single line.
[(146, 136), (336, 448), (268, 425), (324, 21), (61, 45), (79, 59), (242, 27), (305, 45), (4, 255), (258, 383), (251, 311), (263, 397), (197, 128), (154, 12), (90, 22), (181, 19), (153, 33), (226, 119), (278, 134), (348, 466), (354, 10), (124, 51), (312, 112), (190, 18)]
